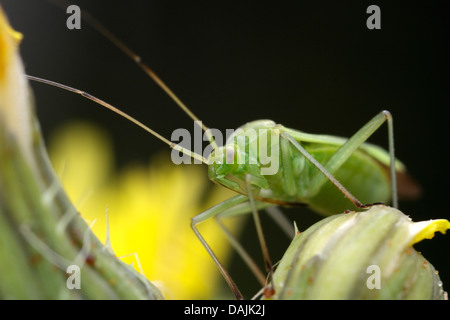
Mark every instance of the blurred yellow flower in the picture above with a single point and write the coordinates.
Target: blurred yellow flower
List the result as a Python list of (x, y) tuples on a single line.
[(149, 210)]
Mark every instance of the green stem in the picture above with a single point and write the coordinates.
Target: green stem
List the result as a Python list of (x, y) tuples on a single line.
[(34, 253)]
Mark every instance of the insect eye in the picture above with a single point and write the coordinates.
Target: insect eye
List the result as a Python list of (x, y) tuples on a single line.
[(229, 153)]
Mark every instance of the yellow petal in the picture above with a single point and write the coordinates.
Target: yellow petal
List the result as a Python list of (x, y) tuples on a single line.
[(427, 229), (9, 39), (15, 114)]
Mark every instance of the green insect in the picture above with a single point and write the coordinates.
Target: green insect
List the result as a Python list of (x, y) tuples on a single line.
[(313, 171), (327, 173)]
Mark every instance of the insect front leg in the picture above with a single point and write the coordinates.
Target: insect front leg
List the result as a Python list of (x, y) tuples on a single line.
[(235, 206), (268, 291), (210, 213), (246, 208), (242, 209)]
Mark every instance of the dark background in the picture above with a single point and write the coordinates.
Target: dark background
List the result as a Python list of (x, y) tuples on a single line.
[(313, 66)]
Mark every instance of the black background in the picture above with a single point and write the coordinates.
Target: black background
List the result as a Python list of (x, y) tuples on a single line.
[(313, 66)]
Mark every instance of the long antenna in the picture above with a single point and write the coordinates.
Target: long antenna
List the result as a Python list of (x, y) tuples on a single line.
[(138, 60), (120, 112)]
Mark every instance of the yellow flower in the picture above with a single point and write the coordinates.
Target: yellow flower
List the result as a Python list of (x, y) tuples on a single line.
[(149, 210)]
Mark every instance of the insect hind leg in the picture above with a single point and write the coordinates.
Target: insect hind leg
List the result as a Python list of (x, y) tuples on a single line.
[(324, 173), (345, 151)]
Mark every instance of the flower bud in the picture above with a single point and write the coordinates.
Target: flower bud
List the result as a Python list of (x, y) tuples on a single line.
[(360, 255)]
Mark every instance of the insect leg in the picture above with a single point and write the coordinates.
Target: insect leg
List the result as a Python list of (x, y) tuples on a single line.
[(241, 251), (246, 208), (212, 212), (390, 123), (262, 241), (324, 173), (345, 151), (235, 206), (279, 217)]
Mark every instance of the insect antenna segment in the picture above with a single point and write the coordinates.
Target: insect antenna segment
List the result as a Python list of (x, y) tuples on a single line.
[(120, 112), (139, 61)]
